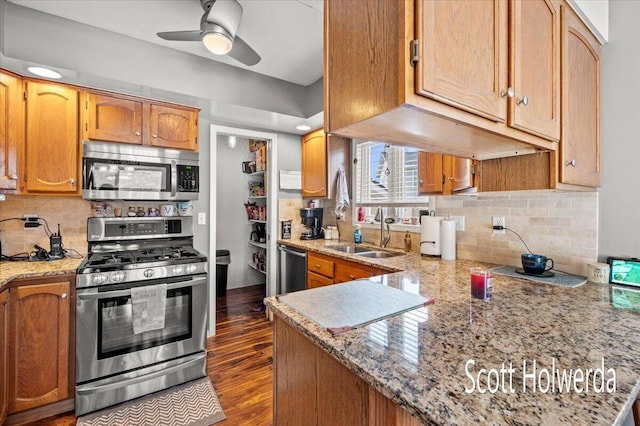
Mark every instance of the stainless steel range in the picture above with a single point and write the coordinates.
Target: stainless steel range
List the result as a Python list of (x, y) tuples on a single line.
[(118, 356)]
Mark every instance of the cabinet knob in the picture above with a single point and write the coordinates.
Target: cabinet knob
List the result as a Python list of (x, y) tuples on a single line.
[(63, 296), (524, 101), (154, 136), (72, 181), (508, 93), (318, 265), (138, 133), (351, 277), (14, 177), (449, 178), (571, 163)]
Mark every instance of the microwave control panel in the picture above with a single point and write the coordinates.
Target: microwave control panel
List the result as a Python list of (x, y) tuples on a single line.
[(188, 178)]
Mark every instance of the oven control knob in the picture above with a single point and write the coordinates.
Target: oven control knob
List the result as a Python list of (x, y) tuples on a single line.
[(148, 273), (117, 276), (178, 270), (100, 278)]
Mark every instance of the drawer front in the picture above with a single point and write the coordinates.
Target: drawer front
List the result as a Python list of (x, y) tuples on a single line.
[(320, 265), (352, 271), (315, 280)]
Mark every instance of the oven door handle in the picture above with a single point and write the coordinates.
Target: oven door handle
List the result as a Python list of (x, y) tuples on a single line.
[(132, 381), (127, 292)]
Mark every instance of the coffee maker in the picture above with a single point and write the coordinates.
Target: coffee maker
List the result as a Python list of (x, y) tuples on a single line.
[(312, 220)]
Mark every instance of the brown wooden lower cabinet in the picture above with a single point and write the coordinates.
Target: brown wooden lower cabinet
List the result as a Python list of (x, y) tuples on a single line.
[(4, 348), (313, 388), (41, 348), (326, 270)]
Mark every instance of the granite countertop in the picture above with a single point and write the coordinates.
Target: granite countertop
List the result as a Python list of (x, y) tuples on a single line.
[(424, 360), (10, 270)]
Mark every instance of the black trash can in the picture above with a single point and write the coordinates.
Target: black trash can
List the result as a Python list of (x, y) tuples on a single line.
[(223, 259)]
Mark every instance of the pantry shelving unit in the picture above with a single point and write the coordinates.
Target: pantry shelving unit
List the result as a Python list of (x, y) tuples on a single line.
[(257, 211)]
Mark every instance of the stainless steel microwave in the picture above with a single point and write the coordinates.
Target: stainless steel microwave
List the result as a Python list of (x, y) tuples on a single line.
[(113, 171)]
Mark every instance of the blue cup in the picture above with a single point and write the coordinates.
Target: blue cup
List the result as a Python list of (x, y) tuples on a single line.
[(535, 263)]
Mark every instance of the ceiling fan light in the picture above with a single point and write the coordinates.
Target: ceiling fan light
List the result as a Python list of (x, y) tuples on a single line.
[(217, 43)]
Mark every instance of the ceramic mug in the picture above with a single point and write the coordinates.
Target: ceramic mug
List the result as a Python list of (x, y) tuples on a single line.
[(185, 208), (167, 210), (535, 263)]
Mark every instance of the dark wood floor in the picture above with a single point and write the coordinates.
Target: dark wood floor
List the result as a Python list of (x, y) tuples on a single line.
[(239, 361)]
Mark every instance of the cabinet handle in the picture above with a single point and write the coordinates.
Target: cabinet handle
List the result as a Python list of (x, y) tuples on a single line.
[(313, 192), (352, 277), (571, 163), (13, 177), (70, 180), (63, 296), (154, 136), (318, 265), (138, 133), (449, 178), (524, 101), (508, 93)]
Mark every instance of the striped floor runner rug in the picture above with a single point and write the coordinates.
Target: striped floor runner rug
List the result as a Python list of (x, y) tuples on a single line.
[(192, 404)]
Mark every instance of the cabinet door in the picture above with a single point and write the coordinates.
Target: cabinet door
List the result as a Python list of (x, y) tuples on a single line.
[(463, 54), (315, 280), (4, 352), (314, 165), (535, 67), (52, 162), (11, 129), (580, 142), (173, 127), (39, 360), (113, 119), (460, 175), (430, 173)]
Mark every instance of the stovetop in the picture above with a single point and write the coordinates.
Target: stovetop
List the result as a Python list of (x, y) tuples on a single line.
[(142, 258)]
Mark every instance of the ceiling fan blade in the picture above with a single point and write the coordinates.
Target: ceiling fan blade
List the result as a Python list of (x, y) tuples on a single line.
[(195, 35), (227, 14), (242, 52)]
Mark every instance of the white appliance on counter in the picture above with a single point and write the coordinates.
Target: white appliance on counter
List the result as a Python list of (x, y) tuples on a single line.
[(438, 237)]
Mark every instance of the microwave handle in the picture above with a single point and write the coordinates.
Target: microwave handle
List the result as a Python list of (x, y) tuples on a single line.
[(174, 178)]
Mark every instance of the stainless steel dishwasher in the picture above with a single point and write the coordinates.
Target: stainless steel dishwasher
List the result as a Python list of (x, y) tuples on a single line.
[(293, 269)]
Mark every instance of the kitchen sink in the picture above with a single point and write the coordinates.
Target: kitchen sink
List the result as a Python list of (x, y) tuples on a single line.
[(378, 254), (351, 249)]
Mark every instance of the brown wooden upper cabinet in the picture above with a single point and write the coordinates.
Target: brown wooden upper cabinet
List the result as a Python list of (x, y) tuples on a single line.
[(577, 162), (322, 156), (127, 119), (52, 144), (471, 78), (443, 174), (11, 129)]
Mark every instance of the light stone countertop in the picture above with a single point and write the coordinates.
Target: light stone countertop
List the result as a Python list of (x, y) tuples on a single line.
[(420, 359), (10, 270)]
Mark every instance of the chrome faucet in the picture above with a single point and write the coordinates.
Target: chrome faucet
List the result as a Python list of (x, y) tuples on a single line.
[(384, 240)]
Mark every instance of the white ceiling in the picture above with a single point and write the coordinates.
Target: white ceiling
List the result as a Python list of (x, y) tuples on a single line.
[(287, 34)]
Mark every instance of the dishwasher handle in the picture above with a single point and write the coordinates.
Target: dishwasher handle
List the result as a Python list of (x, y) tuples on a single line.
[(293, 252)]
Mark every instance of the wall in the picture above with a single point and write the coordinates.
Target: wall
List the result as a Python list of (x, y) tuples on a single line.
[(70, 212), (620, 191), (560, 225)]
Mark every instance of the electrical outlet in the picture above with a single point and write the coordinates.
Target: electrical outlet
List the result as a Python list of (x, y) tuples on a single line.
[(498, 221), (202, 218), (459, 222)]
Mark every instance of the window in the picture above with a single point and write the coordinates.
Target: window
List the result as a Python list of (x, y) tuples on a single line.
[(387, 176)]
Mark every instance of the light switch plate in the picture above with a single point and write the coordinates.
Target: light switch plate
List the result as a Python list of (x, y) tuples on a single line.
[(459, 222), (202, 218)]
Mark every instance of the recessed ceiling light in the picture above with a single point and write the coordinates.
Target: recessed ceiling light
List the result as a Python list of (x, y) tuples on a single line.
[(44, 72), (303, 127)]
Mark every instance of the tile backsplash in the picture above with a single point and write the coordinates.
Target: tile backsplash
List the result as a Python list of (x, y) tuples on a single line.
[(70, 212), (560, 225)]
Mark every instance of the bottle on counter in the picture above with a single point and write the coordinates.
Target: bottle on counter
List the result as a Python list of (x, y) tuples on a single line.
[(407, 241), (357, 235)]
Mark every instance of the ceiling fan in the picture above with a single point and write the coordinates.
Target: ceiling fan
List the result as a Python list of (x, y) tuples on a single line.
[(218, 27)]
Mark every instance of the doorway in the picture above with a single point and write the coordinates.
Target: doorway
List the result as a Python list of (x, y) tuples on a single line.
[(238, 229)]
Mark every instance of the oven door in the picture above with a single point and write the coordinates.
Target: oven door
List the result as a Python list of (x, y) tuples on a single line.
[(106, 343)]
